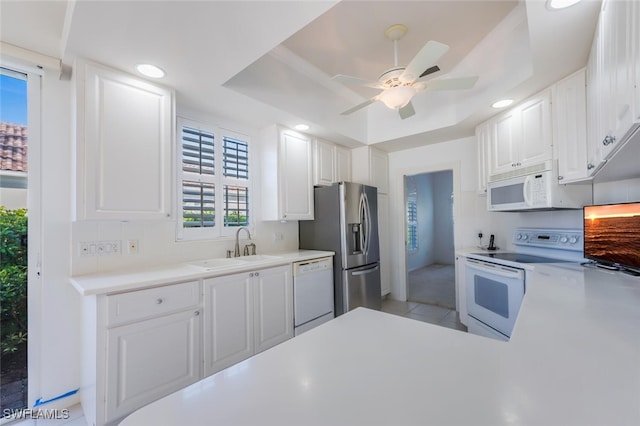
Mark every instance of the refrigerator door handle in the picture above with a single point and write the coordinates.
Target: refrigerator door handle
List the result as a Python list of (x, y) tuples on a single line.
[(366, 271), (366, 222)]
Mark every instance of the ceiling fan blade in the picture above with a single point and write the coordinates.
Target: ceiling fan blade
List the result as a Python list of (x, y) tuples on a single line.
[(461, 83), (426, 57), (360, 106), (351, 81), (407, 111), (430, 70)]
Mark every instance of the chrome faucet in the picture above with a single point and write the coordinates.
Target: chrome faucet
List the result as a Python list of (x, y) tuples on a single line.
[(236, 252)]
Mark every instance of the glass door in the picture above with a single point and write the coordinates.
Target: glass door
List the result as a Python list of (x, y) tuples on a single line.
[(13, 241)]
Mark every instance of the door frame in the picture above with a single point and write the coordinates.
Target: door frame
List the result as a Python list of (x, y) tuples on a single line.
[(401, 288), (34, 227)]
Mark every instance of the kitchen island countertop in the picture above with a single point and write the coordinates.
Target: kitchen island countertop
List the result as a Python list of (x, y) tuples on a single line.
[(574, 359)]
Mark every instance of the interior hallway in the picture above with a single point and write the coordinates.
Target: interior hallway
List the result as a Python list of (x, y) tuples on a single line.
[(434, 285)]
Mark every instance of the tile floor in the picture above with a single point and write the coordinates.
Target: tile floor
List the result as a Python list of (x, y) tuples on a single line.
[(423, 312), (434, 285)]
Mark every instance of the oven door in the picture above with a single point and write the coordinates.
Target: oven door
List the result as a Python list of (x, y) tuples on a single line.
[(494, 294)]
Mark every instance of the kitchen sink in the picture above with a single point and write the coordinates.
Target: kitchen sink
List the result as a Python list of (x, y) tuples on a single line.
[(221, 262), (257, 258)]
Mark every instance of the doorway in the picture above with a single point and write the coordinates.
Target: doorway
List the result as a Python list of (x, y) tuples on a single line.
[(430, 253)]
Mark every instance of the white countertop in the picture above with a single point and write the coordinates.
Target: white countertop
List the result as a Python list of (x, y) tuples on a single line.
[(574, 359), (126, 280)]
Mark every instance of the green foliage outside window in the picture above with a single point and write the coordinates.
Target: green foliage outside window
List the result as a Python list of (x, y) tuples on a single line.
[(13, 279)]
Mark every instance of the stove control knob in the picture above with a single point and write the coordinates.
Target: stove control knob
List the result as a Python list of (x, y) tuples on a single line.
[(573, 240), (525, 237), (518, 236), (564, 240)]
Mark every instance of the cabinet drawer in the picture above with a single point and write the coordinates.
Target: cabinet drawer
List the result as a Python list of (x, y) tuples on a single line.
[(138, 305)]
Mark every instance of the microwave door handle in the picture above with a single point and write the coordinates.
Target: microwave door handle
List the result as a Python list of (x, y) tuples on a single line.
[(526, 190)]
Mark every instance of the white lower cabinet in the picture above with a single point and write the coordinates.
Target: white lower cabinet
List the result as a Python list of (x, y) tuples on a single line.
[(150, 359), (141, 345), (245, 314)]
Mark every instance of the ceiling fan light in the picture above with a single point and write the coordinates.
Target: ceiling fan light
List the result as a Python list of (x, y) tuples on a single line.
[(397, 97), (560, 4)]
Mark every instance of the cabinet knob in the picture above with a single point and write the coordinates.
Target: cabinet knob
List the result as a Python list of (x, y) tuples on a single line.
[(590, 166), (159, 301), (560, 177), (196, 313), (251, 275), (608, 140), (257, 274)]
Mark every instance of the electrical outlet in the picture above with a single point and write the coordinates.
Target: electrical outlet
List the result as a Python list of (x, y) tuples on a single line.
[(132, 247), (277, 236), (99, 248)]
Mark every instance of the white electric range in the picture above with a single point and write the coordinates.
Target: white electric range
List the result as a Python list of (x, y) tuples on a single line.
[(496, 282)]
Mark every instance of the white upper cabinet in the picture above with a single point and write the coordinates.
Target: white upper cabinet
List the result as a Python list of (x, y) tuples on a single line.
[(287, 175), (124, 139), (370, 167), (324, 163), (342, 160), (570, 127), (611, 81), (521, 136), (332, 163)]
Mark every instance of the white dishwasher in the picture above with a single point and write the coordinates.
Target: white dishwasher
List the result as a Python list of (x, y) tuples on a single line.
[(312, 293)]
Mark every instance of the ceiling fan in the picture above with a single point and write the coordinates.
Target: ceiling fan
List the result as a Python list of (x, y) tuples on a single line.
[(400, 84)]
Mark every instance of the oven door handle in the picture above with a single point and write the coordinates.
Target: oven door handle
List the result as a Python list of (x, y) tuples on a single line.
[(503, 271)]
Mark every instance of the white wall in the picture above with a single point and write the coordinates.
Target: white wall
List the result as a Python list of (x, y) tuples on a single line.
[(443, 251), (617, 192)]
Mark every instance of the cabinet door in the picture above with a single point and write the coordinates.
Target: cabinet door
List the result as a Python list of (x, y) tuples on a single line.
[(570, 127), (385, 243), (379, 167), (342, 164), (594, 106), (536, 137), (482, 150), (228, 321), (461, 290), (124, 145), (324, 164), (295, 177), (504, 140), (150, 359), (273, 305)]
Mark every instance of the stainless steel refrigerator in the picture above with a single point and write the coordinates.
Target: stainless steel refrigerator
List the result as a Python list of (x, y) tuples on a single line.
[(346, 222)]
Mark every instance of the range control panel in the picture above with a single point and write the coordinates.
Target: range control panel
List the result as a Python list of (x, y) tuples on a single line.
[(565, 239)]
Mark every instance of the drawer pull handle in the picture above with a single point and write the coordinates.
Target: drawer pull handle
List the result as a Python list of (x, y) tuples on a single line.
[(159, 301)]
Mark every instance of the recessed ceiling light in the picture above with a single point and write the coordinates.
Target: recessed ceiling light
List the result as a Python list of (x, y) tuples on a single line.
[(302, 127), (150, 70), (560, 4), (503, 103)]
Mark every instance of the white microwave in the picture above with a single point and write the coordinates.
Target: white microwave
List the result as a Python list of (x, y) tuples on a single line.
[(537, 190)]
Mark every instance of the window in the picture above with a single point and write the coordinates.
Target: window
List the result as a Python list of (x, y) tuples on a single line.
[(412, 221), (213, 181)]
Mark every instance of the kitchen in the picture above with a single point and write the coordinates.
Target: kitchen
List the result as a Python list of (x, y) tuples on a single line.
[(456, 151)]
